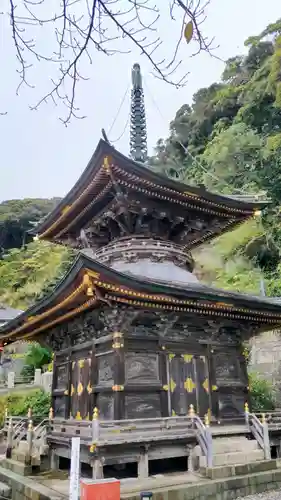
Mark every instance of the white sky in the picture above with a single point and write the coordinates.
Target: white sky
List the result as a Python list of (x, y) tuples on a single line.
[(42, 158)]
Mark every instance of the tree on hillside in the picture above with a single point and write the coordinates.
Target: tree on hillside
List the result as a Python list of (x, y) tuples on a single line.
[(18, 216), (245, 106), (229, 139), (78, 28)]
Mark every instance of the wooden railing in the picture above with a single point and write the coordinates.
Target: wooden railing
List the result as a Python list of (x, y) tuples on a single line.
[(204, 436), (114, 432), (98, 432)]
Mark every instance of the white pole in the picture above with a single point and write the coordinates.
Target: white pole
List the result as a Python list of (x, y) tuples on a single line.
[(74, 469)]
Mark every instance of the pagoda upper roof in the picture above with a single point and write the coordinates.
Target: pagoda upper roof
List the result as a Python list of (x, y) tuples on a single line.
[(109, 170), (89, 284)]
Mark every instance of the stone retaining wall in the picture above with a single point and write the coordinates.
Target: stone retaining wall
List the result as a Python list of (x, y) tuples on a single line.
[(24, 488), (221, 489), (265, 358)]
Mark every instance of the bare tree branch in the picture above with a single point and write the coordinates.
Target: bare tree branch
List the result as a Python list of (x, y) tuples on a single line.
[(81, 26)]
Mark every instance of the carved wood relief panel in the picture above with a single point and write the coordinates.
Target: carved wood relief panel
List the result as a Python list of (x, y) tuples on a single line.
[(105, 404), (59, 404), (142, 405), (141, 368), (106, 368)]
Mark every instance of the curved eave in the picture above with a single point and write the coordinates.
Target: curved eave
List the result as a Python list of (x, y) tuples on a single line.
[(89, 193), (89, 282)]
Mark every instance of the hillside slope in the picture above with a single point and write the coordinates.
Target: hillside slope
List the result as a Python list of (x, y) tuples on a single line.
[(25, 274), (229, 139)]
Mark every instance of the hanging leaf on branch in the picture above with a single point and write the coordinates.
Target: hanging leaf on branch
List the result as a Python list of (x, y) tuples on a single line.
[(188, 32), (75, 30)]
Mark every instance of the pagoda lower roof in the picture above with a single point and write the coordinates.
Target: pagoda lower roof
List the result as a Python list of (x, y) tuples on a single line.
[(108, 168), (90, 284)]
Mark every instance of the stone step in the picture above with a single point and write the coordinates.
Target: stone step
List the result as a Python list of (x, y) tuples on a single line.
[(239, 457), (24, 459), (239, 470), (5, 490), (17, 467), (229, 445)]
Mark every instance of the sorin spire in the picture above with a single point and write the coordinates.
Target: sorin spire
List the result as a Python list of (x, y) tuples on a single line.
[(138, 135)]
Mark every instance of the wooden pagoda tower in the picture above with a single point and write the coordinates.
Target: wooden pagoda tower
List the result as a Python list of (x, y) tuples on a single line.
[(134, 332)]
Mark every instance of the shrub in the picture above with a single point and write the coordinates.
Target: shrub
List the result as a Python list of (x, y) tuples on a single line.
[(37, 356), (28, 372), (18, 404), (262, 393)]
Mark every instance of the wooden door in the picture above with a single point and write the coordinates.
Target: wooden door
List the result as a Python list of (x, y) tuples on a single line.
[(60, 389), (230, 382), (81, 388), (188, 384)]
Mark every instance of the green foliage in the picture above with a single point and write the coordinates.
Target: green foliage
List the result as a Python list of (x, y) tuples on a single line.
[(262, 393), (39, 401), (18, 216), (28, 373), (36, 357), (18, 403), (233, 156), (26, 273), (229, 139)]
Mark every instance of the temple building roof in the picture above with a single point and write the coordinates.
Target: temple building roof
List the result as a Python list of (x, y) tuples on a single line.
[(7, 313), (116, 196), (90, 285)]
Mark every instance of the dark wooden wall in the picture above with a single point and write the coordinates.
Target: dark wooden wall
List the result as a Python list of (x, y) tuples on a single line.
[(139, 374)]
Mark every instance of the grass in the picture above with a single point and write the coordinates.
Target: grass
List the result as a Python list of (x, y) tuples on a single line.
[(223, 264)]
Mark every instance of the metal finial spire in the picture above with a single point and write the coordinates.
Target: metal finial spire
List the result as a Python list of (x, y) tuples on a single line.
[(138, 136)]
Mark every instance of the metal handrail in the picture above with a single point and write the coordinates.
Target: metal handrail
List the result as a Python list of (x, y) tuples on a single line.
[(259, 429)]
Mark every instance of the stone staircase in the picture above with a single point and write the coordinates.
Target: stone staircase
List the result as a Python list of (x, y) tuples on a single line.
[(227, 451), (38, 455), (5, 491)]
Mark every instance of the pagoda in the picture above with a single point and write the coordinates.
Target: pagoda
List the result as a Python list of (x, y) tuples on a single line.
[(135, 334)]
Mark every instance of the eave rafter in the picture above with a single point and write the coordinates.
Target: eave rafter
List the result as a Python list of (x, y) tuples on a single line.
[(110, 177), (84, 294), (95, 288), (132, 297)]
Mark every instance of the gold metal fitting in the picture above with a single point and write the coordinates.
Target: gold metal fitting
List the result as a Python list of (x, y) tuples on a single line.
[(29, 413), (207, 420), (117, 335), (117, 345), (106, 165), (93, 448), (95, 414), (51, 414), (118, 388), (263, 418), (87, 283), (191, 412), (90, 291), (30, 426), (246, 407)]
